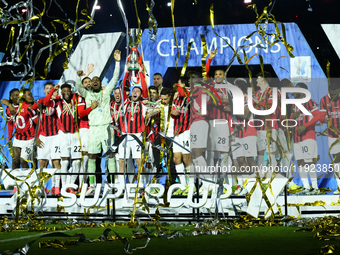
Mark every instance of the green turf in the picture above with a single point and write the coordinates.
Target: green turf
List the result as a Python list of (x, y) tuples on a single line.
[(255, 240)]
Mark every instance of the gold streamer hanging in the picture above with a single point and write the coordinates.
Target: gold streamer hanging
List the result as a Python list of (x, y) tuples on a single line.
[(139, 36), (328, 71), (173, 28), (184, 68), (204, 57), (11, 38)]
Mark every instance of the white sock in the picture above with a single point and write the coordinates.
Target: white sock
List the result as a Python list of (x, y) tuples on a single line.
[(75, 170), (313, 178), (57, 179), (121, 180), (304, 177), (180, 170), (63, 169), (261, 164), (53, 181), (337, 174), (83, 169)]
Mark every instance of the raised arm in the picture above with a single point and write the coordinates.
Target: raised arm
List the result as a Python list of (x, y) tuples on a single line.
[(11, 108), (208, 63), (47, 99), (114, 80), (82, 91)]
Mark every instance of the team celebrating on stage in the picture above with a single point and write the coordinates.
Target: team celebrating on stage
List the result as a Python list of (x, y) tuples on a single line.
[(188, 128)]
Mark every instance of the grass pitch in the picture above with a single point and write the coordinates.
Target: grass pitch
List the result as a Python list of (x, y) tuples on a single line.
[(255, 240)]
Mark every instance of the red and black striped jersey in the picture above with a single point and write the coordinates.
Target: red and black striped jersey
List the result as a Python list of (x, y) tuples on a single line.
[(332, 111), (84, 121), (265, 98), (216, 111), (135, 117), (182, 121), (117, 116), (196, 104), (306, 120), (49, 120), (24, 122), (67, 113)]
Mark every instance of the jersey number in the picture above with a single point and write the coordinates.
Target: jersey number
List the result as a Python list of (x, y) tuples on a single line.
[(221, 140), (193, 138), (186, 144), (77, 149), (57, 149)]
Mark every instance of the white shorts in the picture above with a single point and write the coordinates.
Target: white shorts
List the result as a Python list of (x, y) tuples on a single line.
[(184, 140), (69, 145), (199, 134), (100, 137), (26, 147), (51, 148), (84, 137), (247, 148), (218, 136), (306, 150), (336, 148), (261, 142), (236, 148), (132, 146)]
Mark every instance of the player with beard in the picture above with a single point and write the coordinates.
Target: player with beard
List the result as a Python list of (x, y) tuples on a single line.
[(116, 113), (218, 133), (24, 123), (305, 145), (263, 99), (154, 94), (152, 137), (329, 109), (101, 135), (199, 129), (68, 107), (48, 142), (12, 106), (84, 128), (181, 115), (246, 136), (157, 80), (135, 115)]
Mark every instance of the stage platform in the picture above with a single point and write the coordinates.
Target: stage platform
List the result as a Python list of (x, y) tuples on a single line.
[(119, 209)]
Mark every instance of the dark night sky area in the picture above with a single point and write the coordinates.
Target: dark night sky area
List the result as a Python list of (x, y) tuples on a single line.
[(108, 19)]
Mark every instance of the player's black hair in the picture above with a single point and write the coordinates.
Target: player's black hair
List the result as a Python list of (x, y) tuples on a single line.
[(65, 85), (166, 91)]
